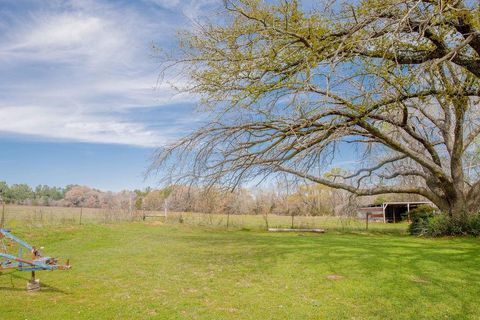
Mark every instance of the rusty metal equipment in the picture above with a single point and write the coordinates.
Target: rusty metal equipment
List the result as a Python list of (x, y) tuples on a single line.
[(38, 262)]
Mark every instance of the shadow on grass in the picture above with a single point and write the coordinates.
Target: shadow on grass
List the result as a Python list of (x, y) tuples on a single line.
[(437, 268), (44, 287)]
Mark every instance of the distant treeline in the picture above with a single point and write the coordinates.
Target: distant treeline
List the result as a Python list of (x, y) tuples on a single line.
[(305, 199), (23, 194), (69, 196), (300, 199)]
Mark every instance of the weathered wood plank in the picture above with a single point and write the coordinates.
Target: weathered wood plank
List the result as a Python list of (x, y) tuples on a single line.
[(295, 230)]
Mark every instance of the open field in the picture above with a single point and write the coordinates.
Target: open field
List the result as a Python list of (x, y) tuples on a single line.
[(37, 216), (156, 271)]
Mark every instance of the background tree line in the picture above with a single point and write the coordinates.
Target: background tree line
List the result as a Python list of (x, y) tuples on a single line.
[(296, 200), (68, 196), (284, 198)]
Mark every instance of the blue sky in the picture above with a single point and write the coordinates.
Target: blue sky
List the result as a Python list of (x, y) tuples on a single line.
[(79, 97)]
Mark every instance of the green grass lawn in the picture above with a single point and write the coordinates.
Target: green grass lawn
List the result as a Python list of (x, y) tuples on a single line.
[(148, 270)]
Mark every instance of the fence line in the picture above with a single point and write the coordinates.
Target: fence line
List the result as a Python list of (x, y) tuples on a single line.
[(33, 216)]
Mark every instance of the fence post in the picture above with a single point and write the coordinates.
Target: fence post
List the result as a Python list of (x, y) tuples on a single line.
[(165, 208), (81, 213), (2, 222), (366, 220)]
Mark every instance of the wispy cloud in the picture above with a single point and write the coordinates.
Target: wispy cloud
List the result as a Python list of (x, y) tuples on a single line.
[(78, 71), (193, 9), (58, 123)]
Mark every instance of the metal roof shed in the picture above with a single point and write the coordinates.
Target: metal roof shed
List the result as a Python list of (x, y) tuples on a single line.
[(392, 211)]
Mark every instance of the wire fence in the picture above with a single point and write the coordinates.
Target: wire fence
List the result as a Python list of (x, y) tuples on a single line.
[(37, 216)]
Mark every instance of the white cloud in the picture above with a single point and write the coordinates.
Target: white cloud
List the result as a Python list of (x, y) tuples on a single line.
[(69, 38), (63, 124), (63, 31), (77, 74)]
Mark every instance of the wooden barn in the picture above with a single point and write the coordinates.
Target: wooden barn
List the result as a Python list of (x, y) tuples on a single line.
[(390, 211)]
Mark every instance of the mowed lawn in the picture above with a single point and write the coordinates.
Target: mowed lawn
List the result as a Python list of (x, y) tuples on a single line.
[(154, 271)]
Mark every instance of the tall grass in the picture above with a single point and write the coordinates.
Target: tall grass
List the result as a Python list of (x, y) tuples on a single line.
[(37, 216), (257, 222)]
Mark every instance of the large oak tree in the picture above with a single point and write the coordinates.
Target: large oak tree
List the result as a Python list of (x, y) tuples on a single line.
[(287, 88)]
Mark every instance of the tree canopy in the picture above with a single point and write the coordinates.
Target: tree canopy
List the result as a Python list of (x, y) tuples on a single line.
[(288, 88)]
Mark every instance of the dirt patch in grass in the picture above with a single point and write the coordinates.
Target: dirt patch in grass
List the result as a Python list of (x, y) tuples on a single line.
[(334, 277), (156, 223), (417, 279)]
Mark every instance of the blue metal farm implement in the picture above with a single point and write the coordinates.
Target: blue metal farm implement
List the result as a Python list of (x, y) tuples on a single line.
[(18, 262)]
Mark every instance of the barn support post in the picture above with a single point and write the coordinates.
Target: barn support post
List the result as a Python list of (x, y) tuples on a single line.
[(408, 211), (383, 208)]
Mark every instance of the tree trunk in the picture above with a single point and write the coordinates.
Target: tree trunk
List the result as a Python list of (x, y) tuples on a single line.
[(458, 209)]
